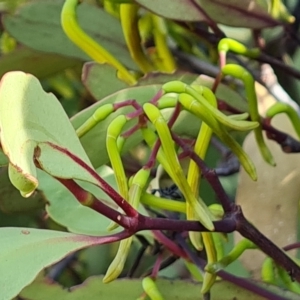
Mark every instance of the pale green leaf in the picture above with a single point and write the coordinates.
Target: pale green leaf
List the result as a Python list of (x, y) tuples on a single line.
[(24, 252), (244, 13), (127, 289), (34, 125), (39, 64), (101, 80), (161, 78), (174, 9)]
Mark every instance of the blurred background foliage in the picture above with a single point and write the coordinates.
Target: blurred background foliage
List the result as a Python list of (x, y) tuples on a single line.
[(32, 40)]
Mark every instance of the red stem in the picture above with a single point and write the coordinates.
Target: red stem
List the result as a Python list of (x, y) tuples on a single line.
[(156, 266), (169, 244), (85, 198), (156, 97), (125, 103), (208, 173), (81, 195), (118, 199)]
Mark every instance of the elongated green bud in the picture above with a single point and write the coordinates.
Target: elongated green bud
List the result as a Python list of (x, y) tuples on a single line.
[(151, 289), (138, 184), (217, 210), (288, 281), (268, 274), (129, 21), (167, 101), (117, 265), (175, 86), (228, 44), (225, 120), (208, 280), (195, 237), (239, 117), (279, 108), (233, 255), (194, 270), (120, 143), (211, 253), (175, 171), (113, 131), (190, 104), (196, 92), (75, 33), (218, 242), (100, 114), (241, 73), (163, 203)]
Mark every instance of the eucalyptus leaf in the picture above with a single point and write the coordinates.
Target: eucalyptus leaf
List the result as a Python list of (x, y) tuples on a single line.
[(102, 81), (39, 64), (161, 78), (244, 13), (37, 25), (34, 125), (24, 252), (174, 9), (128, 289)]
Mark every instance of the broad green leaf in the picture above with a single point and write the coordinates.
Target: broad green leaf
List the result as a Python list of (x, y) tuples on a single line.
[(174, 9), (24, 252), (65, 209), (161, 78), (37, 25), (243, 13), (33, 125), (128, 289), (11, 202), (40, 64), (101, 80)]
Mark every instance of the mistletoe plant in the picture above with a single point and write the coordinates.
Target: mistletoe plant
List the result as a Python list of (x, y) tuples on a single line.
[(44, 150)]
